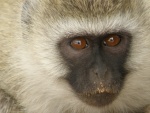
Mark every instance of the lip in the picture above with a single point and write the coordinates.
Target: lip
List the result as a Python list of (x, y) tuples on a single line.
[(102, 90), (99, 97)]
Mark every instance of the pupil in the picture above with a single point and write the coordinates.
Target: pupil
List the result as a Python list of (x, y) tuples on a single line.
[(78, 42)]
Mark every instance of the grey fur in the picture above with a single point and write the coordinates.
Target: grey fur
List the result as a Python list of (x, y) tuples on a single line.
[(30, 64)]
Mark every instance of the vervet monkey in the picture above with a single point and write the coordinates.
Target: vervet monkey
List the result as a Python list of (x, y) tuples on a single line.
[(74, 56)]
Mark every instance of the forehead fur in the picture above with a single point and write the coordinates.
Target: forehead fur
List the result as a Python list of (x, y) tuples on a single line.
[(93, 7), (55, 9)]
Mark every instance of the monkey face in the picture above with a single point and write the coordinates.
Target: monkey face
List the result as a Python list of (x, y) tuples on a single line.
[(97, 65), (88, 52)]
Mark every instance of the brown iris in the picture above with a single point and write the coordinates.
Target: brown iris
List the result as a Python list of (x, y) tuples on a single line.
[(79, 43), (111, 40)]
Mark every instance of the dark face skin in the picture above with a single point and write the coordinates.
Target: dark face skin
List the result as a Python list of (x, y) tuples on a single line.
[(96, 65)]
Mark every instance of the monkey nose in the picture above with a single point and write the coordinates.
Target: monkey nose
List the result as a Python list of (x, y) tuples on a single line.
[(98, 72)]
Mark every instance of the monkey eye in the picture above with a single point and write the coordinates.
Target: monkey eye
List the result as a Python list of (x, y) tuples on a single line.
[(111, 40), (79, 43)]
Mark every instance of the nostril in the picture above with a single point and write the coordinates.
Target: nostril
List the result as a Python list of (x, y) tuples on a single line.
[(99, 71), (95, 71)]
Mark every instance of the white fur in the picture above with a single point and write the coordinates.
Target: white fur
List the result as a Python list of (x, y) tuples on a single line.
[(42, 66), (36, 66)]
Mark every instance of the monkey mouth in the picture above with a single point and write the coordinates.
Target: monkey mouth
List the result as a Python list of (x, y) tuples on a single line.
[(99, 97)]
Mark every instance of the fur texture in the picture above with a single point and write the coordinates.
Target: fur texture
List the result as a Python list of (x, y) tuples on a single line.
[(31, 66)]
